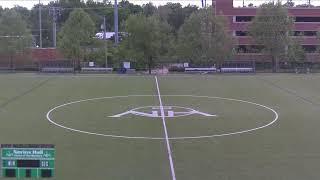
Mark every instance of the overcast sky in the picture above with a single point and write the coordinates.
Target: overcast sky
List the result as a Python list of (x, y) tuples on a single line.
[(29, 3)]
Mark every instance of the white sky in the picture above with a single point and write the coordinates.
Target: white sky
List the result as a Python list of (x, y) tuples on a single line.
[(29, 3)]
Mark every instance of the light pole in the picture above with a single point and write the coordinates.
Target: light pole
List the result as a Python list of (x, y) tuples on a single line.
[(40, 26), (116, 26), (105, 40), (204, 3), (54, 12)]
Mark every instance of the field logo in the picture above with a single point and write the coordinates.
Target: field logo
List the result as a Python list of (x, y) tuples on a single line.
[(169, 111)]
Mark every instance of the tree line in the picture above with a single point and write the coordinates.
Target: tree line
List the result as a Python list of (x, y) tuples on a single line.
[(174, 13), (155, 35)]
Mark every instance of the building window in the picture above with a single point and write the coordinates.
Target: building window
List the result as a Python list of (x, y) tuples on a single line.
[(310, 48), (310, 33), (304, 33), (249, 49), (242, 33), (307, 19), (244, 18)]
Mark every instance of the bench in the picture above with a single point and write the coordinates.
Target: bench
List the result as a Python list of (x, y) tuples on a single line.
[(200, 70), (96, 70), (237, 70), (302, 70), (56, 70), (6, 69)]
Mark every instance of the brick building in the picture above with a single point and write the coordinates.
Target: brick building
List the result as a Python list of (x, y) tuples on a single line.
[(31, 59), (306, 25)]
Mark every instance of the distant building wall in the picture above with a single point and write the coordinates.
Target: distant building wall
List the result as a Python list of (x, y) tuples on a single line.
[(46, 54), (31, 59), (307, 23)]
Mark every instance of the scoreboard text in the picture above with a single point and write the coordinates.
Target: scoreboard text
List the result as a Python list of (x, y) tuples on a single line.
[(27, 161)]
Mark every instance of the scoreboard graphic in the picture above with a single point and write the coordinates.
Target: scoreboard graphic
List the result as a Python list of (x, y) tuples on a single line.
[(27, 160)]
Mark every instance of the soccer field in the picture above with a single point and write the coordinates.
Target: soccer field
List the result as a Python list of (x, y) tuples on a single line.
[(112, 127)]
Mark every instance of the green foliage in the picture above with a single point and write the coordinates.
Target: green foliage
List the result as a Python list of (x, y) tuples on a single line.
[(149, 9), (97, 10), (98, 51), (289, 3), (23, 12), (204, 39), (175, 14), (147, 39), (76, 34), (15, 37), (269, 29), (296, 53), (189, 45)]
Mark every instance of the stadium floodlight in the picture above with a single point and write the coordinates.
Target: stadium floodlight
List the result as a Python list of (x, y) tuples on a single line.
[(116, 26)]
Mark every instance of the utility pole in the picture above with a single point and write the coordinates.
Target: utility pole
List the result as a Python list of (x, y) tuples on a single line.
[(214, 6), (55, 13), (204, 3), (116, 26), (105, 40), (40, 25)]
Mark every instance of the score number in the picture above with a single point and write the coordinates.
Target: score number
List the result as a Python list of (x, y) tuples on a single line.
[(11, 163), (44, 163)]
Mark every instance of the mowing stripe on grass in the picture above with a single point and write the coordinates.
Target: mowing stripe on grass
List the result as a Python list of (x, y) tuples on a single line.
[(289, 91), (24, 93), (173, 174)]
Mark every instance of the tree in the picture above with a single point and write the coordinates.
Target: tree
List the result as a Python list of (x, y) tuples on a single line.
[(270, 29), (188, 10), (97, 52), (204, 39), (76, 34), (147, 39), (218, 43), (133, 9), (149, 9), (289, 3), (15, 37), (23, 12), (296, 54), (174, 14)]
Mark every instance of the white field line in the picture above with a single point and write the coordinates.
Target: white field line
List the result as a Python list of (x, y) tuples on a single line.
[(51, 120), (173, 174)]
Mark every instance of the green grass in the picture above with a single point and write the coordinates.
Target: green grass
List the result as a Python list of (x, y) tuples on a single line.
[(288, 149)]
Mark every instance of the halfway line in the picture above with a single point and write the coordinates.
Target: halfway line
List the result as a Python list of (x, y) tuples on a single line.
[(173, 174)]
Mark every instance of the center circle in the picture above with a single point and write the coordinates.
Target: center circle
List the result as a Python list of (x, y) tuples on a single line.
[(176, 137)]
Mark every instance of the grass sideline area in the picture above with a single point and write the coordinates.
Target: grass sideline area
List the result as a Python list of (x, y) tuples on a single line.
[(285, 149)]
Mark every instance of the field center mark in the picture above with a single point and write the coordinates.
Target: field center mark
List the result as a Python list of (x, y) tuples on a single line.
[(173, 174)]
